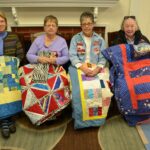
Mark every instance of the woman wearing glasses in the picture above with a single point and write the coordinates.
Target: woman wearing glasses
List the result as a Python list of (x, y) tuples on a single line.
[(48, 92), (86, 72), (130, 32)]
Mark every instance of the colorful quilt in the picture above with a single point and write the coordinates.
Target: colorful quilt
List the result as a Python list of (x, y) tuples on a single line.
[(130, 78), (45, 91), (10, 89), (90, 98)]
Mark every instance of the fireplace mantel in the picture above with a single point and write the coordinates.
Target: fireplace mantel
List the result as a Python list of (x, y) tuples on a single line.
[(58, 3)]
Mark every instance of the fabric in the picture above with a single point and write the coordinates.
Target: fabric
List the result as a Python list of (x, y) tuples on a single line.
[(77, 51), (2, 36), (130, 79), (43, 97), (142, 49), (12, 46), (58, 46), (90, 98), (10, 90)]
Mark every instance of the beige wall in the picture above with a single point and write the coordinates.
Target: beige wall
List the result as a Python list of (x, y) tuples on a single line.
[(140, 8), (110, 17)]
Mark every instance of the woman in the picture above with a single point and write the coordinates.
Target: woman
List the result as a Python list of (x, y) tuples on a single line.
[(10, 47), (129, 72), (47, 78), (86, 73), (130, 32)]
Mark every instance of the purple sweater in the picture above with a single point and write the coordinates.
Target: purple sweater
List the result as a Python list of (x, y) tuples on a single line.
[(59, 45)]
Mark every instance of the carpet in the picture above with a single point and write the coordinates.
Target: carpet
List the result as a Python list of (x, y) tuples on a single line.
[(144, 132), (30, 137), (117, 135)]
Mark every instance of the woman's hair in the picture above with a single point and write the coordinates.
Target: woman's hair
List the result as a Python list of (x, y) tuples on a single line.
[(51, 18), (2, 14), (87, 14), (127, 17)]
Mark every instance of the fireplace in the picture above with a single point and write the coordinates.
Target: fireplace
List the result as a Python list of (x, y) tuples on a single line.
[(65, 31)]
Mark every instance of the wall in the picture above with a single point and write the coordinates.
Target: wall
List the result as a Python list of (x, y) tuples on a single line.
[(140, 8), (110, 17)]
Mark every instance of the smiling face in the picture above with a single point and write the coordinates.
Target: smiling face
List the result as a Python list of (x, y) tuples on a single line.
[(3, 24), (87, 26), (130, 27)]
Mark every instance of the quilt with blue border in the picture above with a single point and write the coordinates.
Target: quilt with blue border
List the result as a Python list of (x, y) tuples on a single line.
[(10, 89)]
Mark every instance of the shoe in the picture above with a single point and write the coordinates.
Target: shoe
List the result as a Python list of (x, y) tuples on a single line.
[(5, 130), (12, 128)]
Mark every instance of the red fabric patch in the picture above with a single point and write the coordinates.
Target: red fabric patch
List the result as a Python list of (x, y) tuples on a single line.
[(90, 112), (27, 70), (35, 108), (39, 93), (53, 105)]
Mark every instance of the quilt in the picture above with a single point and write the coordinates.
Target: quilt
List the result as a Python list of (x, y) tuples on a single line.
[(90, 98), (10, 89), (45, 91), (130, 79)]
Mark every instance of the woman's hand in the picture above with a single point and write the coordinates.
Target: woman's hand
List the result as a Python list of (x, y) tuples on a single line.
[(85, 69), (43, 60), (95, 71)]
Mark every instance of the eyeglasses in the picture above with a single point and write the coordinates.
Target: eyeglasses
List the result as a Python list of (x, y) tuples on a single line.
[(50, 25), (127, 17), (86, 24)]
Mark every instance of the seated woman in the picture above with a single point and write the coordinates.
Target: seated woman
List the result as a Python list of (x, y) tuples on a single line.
[(129, 73), (11, 53), (45, 87), (89, 77), (129, 33)]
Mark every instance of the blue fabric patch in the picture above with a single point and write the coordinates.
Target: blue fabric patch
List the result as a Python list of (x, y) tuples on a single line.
[(10, 109)]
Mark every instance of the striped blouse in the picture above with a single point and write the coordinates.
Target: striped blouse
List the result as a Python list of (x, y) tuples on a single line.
[(13, 46)]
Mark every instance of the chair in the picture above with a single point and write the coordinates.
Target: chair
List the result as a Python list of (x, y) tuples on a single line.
[(111, 37), (35, 35)]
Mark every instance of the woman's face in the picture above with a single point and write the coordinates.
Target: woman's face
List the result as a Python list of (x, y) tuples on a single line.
[(50, 27), (2, 24), (130, 27), (87, 26)]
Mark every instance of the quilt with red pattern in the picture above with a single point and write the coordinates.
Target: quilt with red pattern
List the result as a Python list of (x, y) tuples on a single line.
[(45, 91)]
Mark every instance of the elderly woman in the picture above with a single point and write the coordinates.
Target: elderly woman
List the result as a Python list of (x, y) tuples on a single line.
[(45, 87), (88, 75), (129, 72), (10, 48), (130, 32)]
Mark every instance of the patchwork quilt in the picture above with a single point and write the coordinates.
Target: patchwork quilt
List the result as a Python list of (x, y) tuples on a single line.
[(10, 89), (45, 91), (130, 79), (90, 98)]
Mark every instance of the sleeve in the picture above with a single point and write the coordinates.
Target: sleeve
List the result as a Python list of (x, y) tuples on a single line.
[(32, 53), (102, 60), (19, 49), (73, 52), (64, 54)]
